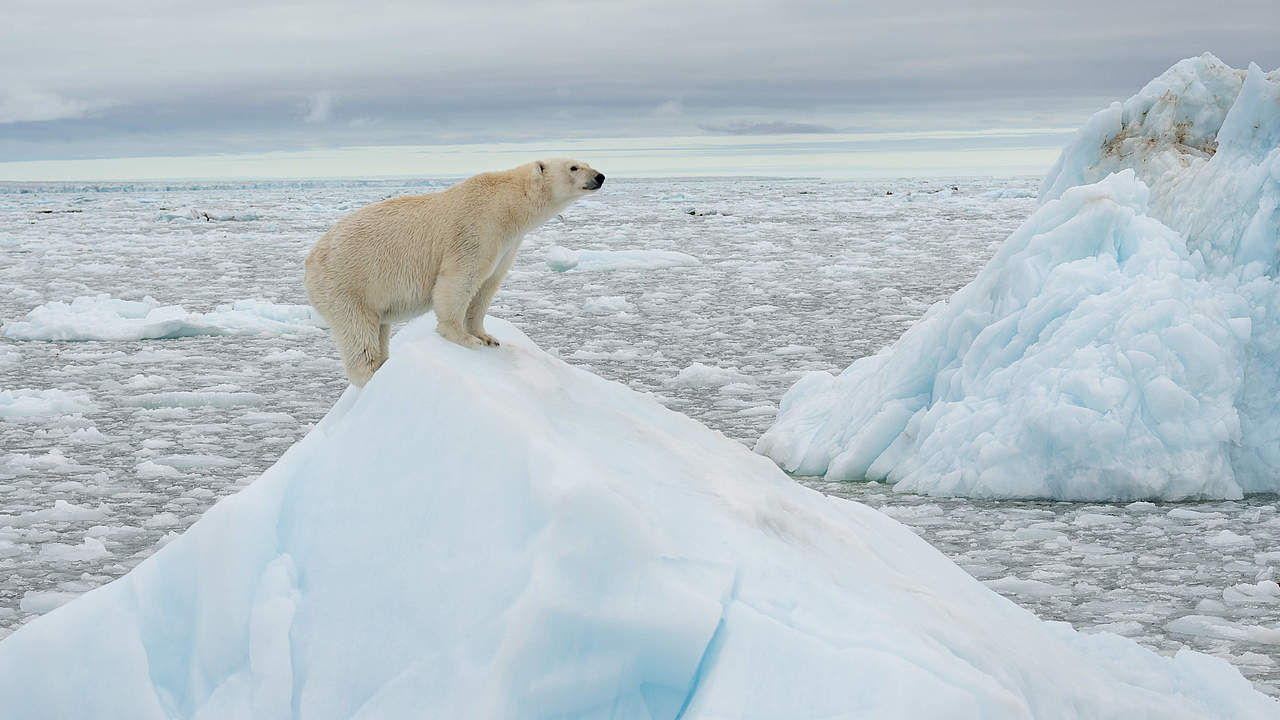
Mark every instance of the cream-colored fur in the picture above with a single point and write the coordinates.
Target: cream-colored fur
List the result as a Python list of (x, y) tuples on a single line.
[(448, 250)]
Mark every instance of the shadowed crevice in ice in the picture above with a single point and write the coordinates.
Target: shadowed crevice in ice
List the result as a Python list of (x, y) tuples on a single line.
[(1123, 344), (498, 534)]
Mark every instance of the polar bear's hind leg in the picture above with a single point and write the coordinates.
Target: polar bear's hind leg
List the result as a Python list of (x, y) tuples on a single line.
[(362, 342)]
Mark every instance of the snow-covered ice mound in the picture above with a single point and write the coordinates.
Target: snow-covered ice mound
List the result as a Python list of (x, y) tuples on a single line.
[(562, 259), (106, 318), (1123, 344), (497, 534)]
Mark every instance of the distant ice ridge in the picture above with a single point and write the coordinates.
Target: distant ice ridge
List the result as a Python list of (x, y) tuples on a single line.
[(1123, 344), (106, 318), (499, 534)]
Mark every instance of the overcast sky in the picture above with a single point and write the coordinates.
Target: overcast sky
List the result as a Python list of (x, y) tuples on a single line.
[(88, 79)]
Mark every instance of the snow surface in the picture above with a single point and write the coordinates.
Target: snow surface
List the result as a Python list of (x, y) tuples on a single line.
[(499, 534), (1123, 344), (106, 318)]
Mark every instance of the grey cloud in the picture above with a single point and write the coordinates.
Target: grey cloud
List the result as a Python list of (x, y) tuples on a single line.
[(190, 76), (19, 104)]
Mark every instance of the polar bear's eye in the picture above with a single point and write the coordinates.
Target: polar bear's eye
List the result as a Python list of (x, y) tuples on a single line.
[(573, 169)]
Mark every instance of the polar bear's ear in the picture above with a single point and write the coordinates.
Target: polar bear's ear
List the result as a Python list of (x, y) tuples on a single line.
[(541, 167)]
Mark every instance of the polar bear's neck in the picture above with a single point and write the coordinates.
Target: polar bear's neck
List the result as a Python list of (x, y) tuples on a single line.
[(518, 200), (542, 207)]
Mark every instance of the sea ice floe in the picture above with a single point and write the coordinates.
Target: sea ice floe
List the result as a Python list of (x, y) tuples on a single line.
[(192, 214), (190, 399), (562, 259), (609, 305), (103, 317), (62, 511), (90, 549), (42, 601), (1216, 627), (29, 404), (149, 470), (700, 375)]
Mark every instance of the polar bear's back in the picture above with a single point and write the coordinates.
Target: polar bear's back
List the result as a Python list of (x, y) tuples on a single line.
[(388, 254), (384, 255)]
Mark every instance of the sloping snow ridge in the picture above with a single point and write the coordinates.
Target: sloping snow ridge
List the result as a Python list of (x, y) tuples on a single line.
[(106, 318), (496, 534), (1123, 344)]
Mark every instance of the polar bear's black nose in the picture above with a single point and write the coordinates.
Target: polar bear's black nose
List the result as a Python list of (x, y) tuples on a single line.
[(599, 178)]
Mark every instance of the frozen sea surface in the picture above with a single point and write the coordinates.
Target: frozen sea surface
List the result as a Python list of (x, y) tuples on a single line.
[(109, 447)]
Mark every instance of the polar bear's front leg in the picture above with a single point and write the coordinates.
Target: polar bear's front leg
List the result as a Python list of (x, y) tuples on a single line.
[(451, 297), (480, 303)]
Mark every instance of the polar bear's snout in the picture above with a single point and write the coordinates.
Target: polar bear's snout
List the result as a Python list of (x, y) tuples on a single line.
[(598, 181)]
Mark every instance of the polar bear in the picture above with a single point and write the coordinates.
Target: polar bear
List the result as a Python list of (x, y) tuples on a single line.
[(447, 250)]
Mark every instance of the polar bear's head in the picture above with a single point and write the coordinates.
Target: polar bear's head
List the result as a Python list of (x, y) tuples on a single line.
[(568, 178)]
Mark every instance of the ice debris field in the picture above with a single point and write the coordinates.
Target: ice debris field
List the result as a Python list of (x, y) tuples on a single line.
[(157, 355), (562, 546)]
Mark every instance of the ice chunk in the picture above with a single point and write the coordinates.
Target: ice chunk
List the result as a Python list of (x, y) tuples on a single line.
[(27, 404), (262, 418), (1216, 627), (699, 375), (90, 549), (1123, 344), (192, 214), (62, 511), (1032, 588), (106, 318), (186, 399), (37, 601), (500, 534), (562, 259), (150, 470), (1227, 540), (1096, 519), (195, 462), (609, 305)]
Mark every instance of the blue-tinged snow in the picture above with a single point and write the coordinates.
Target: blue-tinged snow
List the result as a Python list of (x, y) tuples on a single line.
[(499, 534), (1123, 344)]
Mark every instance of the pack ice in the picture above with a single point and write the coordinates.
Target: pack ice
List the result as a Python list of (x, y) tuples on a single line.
[(1123, 343), (500, 535)]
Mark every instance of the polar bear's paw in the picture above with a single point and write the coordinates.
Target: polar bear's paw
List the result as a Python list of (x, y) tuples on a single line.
[(488, 339), (455, 334)]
